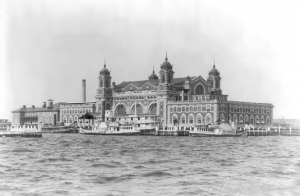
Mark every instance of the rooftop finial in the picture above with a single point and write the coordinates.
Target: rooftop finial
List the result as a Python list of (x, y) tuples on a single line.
[(166, 56), (153, 69), (214, 63), (104, 63)]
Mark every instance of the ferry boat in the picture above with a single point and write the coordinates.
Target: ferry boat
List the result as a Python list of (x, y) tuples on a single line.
[(113, 129), (148, 124), (222, 130)]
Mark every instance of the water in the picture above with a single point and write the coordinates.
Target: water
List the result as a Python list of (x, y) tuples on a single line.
[(74, 164)]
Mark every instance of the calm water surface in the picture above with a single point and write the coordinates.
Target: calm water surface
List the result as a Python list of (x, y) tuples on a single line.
[(73, 164)]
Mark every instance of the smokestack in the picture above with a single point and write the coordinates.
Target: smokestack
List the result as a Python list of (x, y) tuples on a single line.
[(83, 91)]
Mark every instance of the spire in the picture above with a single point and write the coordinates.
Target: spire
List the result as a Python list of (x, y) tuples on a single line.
[(153, 69), (166, 56), (104, 63), (214, 63)]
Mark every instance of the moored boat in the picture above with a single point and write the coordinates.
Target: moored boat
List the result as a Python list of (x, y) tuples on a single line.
[(112, 129), (222, 130), (60, 128)]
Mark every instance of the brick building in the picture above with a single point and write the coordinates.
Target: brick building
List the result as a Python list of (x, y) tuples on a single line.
[(190, 100)]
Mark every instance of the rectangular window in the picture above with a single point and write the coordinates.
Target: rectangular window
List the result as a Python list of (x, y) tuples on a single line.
[(185, 98), (178, 108), (195, 108), (208, 108), (199, 108), (191, 108), (175, 108), (187, 108), (183, 108)]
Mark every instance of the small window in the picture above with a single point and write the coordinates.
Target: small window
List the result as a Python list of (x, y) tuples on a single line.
[(208, 108), (179, 109), (199, 107), (183, 108)]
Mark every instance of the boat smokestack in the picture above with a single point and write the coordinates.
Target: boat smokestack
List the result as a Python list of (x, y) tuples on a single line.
[(83, 91)]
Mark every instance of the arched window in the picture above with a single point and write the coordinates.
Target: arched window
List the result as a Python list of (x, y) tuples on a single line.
[(246, 119), (65, 119), (120, 109), (139, 109), (251, 119), (183, 119), (175, 119), (169, 78), (241, 119), (70, 119), (268, 120), (208, 119), (75, 119), (257, 120), (262, 120), (199, 119), (163, 78), (235, 118), (100, 82), (199, 90), (222, 117), (191, 119)]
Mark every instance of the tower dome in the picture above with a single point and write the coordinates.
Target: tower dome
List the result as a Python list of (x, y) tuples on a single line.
[(104, 71), (153, 76), (214, 71), (166, 65)]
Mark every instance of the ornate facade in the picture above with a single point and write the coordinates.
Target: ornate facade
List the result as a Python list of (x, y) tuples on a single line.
[(190, 100)]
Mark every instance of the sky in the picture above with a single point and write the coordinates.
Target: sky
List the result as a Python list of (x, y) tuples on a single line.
[(49, 46)]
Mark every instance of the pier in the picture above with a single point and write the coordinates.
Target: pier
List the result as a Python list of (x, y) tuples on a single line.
[(20, 134)]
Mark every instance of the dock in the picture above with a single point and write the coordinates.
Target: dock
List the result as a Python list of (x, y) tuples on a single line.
[(20, 134)]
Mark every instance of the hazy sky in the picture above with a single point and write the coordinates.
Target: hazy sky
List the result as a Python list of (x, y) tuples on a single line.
[(49, 46)]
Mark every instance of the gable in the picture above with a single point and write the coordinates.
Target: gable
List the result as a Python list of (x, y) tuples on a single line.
[(148, 86)]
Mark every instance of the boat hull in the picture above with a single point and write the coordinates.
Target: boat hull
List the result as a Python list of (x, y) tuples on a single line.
[(200, 134), (87, 132)]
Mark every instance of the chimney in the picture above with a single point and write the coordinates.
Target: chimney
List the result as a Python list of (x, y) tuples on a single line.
[(24, 106), (44, 104), (50, 103), (33, 106), (83, 91)]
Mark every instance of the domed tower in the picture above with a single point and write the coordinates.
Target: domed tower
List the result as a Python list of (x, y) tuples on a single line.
[(104, 92), (214, 81), (166, 75), (104, 78), (153, 76), (165, 91)]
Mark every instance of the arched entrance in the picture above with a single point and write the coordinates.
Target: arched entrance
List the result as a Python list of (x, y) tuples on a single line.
[(120, 109), (153, 108), (139, 109)]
